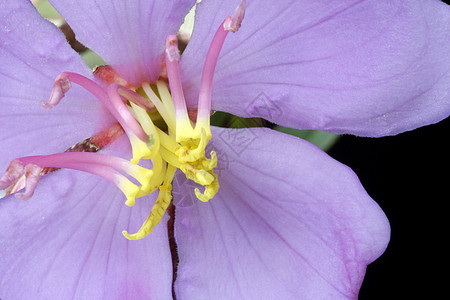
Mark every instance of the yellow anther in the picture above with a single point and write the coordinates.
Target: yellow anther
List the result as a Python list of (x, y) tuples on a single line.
[(209, 164), (143, 175), (191, 155), (159, 171), (130, 190), (140, 149), (199, 176), (156, 214), (210, 190), (158, 209)]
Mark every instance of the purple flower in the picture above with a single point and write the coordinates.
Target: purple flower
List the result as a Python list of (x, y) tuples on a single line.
[(287, 221)]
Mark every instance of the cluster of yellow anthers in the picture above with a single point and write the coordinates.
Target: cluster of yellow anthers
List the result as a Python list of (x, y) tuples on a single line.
[(181, 147)]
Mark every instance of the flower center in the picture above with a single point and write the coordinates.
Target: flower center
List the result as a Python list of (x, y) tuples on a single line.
[(156, 121)]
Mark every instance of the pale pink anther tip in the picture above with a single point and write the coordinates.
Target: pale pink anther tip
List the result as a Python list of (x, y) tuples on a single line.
[(14, 171), (233, 23), (32, 175), (60, 87), (46, 105), (172, 52)]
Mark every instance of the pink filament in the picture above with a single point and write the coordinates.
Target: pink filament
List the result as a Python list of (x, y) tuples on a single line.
[(124, 116), (102, 165), (231, 23), (110, 99), (173, 74), (135, 97), (59, 160)]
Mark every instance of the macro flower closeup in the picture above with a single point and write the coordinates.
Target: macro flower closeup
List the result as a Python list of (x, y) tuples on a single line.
[(116, 186)]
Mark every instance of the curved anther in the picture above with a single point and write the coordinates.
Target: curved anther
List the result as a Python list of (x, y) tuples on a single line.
[(158, 209), (191, 155), (156, 214), (32, 176), (210, 190), (64, 82), (61, 86), (199, 176), (209, 164), (13, 172)]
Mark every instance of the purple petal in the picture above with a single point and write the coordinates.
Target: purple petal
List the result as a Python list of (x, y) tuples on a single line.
[(129, 35), (66, 243), (294, 224), (32, 53), (369, 68)]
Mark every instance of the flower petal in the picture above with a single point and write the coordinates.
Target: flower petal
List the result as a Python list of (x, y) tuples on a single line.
[(32, 53), (289, 224), (129, 35), (369, 68), (66, 243)]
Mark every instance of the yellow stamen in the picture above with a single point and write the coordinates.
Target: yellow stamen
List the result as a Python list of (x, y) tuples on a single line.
[(203, 124), (190, 155), (170, 157), (182, 147), (209, 164), (167, 142), (159, 167), (158, 209), (143, 175), (210, 190), (199, 176), (169, 119), (140, 149), (165, 97), (130, 190), (149, 128)]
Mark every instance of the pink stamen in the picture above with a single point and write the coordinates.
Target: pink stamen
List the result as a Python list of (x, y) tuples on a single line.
[(114, 104), (63, 84), (231, 23), (135, 98), (173, 74), (124, 116), (102, 165), (60, 160)]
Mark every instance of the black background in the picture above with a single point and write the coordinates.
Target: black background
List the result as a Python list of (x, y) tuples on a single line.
[(407, 175)]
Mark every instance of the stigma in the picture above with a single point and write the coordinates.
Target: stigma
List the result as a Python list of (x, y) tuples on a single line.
[(157, 123)]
